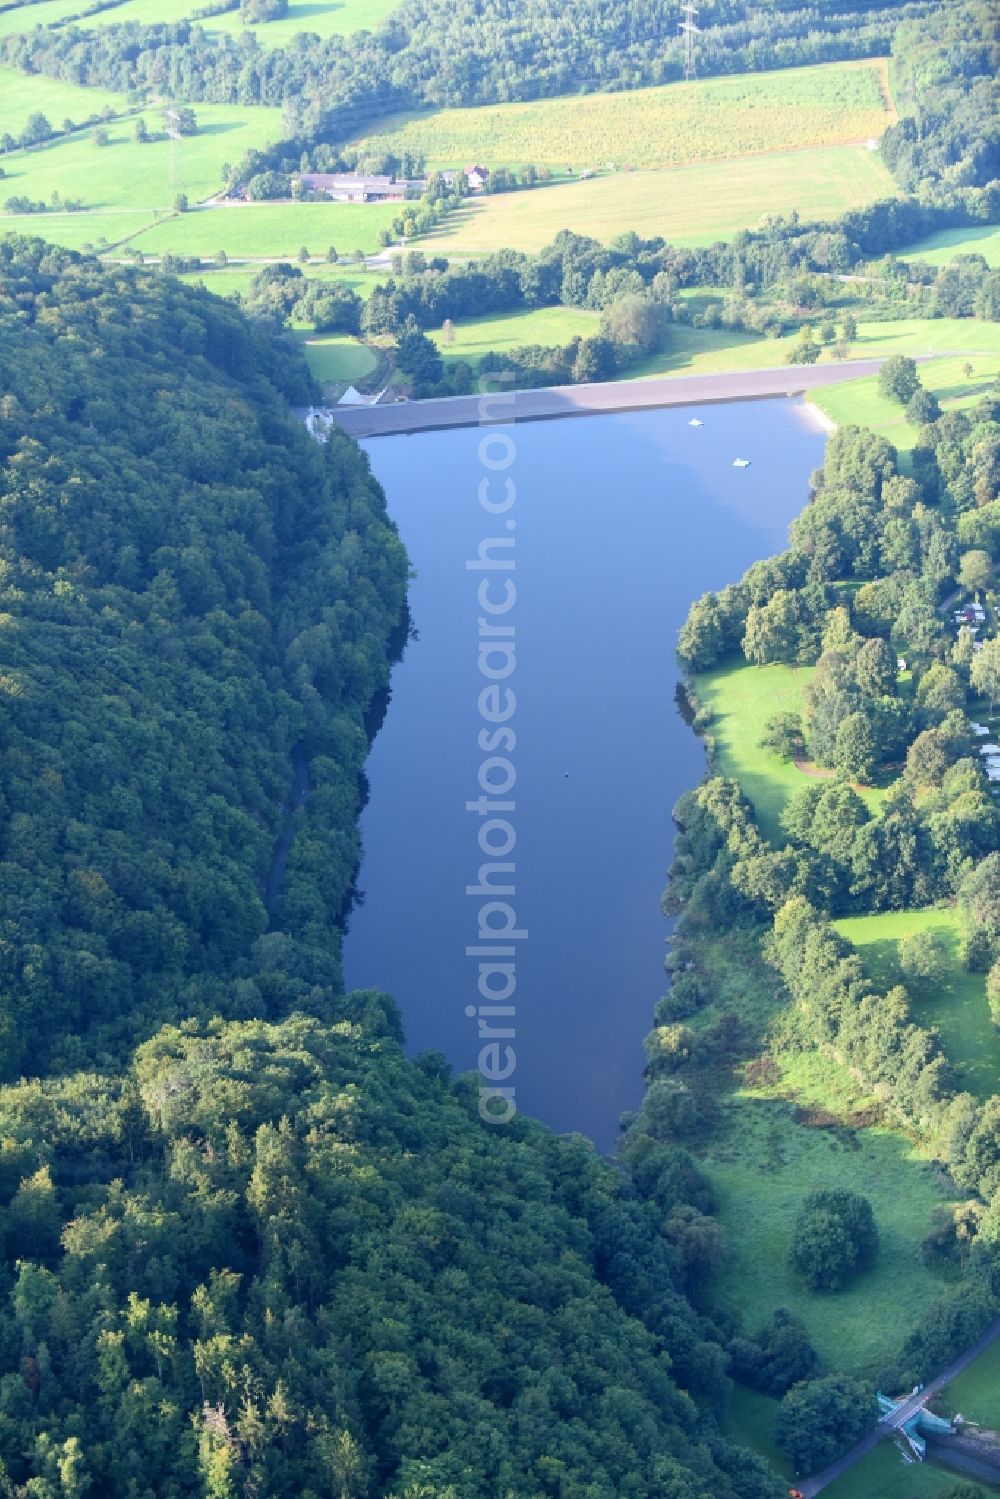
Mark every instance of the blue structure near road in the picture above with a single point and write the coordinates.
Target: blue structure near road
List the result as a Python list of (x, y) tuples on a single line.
[(921, 1424)]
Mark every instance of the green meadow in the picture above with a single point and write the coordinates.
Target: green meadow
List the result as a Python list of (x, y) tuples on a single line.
[(742, 698), (547, 326), (318, 17), (22, 94), (337, 359), (750, 1421), (941, 248), (79, 231), (957, 1007), (763, 1159), (886, 1474), (125, 174), (269, 230), (976, 1391), (861, 402), (232, 281), (689, 205)]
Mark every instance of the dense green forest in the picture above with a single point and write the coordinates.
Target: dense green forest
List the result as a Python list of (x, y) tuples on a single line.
[(190, 590), (947, 81), (247, 1247), (435, 52)]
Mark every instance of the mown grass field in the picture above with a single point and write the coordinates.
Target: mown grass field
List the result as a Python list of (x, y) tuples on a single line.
[(742, 698), (958, 1007), (691, 205), (125, 174), (321, 17), (693, 351), (762, 1161), (22, 94), (548, 326), (705, 120), (51, 12), (941, 249), (336, 358), (269, 229), (974, 343), (79, 231)]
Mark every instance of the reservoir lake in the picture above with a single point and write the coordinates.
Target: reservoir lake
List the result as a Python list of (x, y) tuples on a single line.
[(620, 521)]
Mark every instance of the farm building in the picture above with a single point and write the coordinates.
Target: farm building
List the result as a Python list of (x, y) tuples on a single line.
[(348, 187), (475, 178)]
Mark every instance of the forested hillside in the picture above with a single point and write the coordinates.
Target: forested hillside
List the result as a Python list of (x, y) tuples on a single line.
[(190, 589), (431, 52), (948, 81), (247, 1248)]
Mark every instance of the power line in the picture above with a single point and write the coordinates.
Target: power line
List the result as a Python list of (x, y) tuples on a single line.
[(688, 27)]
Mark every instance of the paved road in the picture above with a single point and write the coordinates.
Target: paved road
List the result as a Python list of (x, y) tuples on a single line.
[(809, 1487), (587, 400)]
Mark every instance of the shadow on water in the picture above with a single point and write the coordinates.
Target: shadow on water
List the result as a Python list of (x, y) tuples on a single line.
[(404, 633)]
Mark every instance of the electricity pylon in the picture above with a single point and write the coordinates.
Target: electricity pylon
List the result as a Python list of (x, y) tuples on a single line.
[(688, 27)]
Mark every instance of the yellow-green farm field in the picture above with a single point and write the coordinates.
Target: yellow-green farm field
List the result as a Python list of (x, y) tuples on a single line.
[(828, 105), (689, 205), (957, 1006), (127, 174)]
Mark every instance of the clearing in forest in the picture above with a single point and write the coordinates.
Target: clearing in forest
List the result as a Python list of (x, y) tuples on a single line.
[(742, 698), (956, 1004)]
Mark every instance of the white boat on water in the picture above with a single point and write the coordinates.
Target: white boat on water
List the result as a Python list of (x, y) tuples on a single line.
[(694, 422), (741, 463)]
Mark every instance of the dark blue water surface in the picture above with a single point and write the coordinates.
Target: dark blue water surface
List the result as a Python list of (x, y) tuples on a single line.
[(620, 521)]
